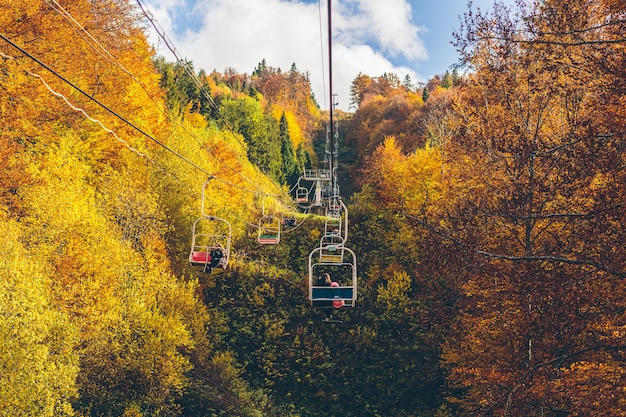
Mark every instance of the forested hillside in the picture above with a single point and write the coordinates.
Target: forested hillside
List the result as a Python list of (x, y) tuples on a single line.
[(486, 212)]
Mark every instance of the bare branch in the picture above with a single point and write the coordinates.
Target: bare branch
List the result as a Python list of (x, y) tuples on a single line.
[(540, 258), (558, 43)]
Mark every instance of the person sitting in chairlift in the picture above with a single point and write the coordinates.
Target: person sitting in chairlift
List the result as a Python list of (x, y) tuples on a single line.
[(337, 303), (326, 281), (217, 258)]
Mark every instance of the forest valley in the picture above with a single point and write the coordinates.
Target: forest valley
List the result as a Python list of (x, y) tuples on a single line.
[(486, 211)]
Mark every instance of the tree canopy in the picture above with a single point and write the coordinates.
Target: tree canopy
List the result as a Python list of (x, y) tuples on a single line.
[(486, 211)]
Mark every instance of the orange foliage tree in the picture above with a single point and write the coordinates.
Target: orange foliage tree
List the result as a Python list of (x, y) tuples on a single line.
[(533, 213)]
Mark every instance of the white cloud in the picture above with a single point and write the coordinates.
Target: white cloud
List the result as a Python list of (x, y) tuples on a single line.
[(241, 33), (161, 10), (390, 23), (351, 60)]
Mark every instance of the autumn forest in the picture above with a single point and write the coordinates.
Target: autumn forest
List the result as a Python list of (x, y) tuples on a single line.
[(486, 210)]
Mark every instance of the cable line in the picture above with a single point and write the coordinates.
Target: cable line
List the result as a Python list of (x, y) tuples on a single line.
[(161, 33), (319, 3), (102, 51), (113, 112), (78, 109)]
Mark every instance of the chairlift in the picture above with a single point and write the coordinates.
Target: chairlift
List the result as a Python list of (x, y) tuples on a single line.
[(269, 229), (289, 221), (302, 195), (342, 293), (334, 210), (337, 218), (331, 249), (334, 207), (210, 243), (332, 226)]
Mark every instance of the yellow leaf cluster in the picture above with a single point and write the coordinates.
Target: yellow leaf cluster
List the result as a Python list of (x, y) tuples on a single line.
[(406, 182), (37, 342)]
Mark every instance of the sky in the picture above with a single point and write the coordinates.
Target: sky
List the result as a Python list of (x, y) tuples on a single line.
[(372, 37)]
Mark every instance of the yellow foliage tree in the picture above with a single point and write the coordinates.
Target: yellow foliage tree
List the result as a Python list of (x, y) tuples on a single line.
[(38, 360), (405, 182)]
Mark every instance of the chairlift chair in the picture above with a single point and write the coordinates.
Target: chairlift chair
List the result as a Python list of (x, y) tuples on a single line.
[(332, 226), (210, 233), (331, 249), (302, 195), (289, 221), (344, 273), (337, 214), (269, 227), (269, 230)]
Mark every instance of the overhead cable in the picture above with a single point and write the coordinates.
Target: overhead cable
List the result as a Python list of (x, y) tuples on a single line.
[(102, 51), (114, 113), (161, 33)]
